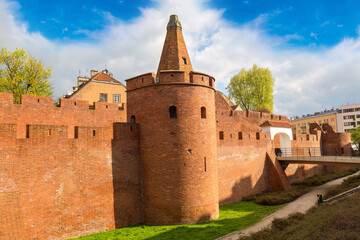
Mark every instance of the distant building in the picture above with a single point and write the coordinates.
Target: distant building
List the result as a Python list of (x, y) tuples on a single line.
[(100, 87), (341, 120), (348, 117), (302, 124)]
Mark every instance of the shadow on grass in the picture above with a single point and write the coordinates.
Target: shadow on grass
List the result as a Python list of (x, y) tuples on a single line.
[(212, 230), (232, 217)]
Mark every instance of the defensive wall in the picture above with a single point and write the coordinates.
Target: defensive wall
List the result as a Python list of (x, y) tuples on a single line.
[(181, 150), (66, 171)]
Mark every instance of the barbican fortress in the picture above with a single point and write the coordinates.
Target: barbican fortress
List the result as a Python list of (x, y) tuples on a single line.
[(177, 151)]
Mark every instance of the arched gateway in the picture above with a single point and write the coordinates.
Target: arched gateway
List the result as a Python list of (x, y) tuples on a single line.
[(281, 134)]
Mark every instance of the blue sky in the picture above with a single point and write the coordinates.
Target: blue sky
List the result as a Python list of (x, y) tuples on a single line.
[(311, 47), (308, 22)]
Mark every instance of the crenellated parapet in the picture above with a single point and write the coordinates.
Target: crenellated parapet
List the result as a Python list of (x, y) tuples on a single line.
[(39, 110), (170, 77)]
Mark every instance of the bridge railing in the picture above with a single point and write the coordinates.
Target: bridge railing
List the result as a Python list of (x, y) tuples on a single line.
[(315, 151)]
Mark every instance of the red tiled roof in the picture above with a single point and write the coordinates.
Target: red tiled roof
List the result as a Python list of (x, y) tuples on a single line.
[(104, 77), (276, 124)]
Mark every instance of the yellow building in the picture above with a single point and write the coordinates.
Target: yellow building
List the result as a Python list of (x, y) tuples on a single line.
[(301, 124), (100, 87)]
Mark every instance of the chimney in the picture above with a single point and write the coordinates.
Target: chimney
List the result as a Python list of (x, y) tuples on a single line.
[(93, 73)]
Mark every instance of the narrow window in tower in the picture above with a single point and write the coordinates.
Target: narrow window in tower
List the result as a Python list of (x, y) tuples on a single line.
[(132, 119), (76, 132), (205, 163), (94, 133), (203, 112), (184, 59), (172, 111), (240, 135), (221, 135)]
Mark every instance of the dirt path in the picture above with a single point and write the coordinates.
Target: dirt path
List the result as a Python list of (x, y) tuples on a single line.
[(301, 204)]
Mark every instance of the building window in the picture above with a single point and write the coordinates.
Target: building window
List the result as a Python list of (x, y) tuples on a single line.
[(299, 125), (357, 109), (350, 117), (326, 120), (299, 131), (203, 112), (319, 121), (348, 110), (184, 59), (332, 119), (346, 124), (358, 116), (117, 98), (172, 111), (103, 97), (240, 135), (221, 135)]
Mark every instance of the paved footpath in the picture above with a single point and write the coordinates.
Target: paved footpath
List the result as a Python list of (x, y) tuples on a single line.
[(302, 204)]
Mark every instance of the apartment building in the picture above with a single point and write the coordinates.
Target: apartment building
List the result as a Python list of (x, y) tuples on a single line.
[(301, 124), (348, 117)]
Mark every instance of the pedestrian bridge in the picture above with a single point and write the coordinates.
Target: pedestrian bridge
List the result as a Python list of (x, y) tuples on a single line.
[(321, 156)]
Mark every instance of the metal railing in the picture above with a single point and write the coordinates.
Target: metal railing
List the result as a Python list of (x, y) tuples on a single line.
[(315, 152)]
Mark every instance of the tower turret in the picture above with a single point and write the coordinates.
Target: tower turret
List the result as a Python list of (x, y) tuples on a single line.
[(174, 55), (176, 113)]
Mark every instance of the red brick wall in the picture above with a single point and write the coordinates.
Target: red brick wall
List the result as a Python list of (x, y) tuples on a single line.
[(176, 187), (71, 113), (245, 159), (174, 50), (56, 183)]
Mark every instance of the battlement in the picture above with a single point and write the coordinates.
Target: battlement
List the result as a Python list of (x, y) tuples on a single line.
[(233, 137), (37, 110), (169, 77), (305, 137), (7, 99), (253, 116), (201, 79)]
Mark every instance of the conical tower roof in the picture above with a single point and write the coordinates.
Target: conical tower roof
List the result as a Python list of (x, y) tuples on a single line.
[(174, 55)]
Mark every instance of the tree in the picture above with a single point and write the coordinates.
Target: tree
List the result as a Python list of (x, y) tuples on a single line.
[(22, 74), (355, 138), (252, 89)]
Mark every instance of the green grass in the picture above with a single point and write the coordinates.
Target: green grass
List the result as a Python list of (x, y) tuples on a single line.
[(348, 184), (232, 217), (271, 198), (339, 220)]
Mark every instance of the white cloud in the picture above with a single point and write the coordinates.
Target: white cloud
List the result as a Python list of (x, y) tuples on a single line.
[(307, 78)]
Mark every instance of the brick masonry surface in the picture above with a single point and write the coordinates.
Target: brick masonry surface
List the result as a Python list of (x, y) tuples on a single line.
[(178, 153)]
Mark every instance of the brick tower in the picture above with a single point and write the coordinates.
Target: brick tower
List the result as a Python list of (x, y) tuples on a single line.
[(176, 113)]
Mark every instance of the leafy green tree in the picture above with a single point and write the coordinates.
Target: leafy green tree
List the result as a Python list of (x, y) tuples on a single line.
[(22, 74), (252, 89), (355, 138)]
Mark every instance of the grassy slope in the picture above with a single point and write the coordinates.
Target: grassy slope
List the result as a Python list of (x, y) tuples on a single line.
[(270, 198), (232, 217), (339, 220), (348, 184)]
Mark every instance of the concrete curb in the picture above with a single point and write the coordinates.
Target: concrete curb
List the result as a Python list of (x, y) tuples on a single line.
[(342, 195)]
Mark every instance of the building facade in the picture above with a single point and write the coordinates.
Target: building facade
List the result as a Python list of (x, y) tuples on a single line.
[(348, 117), (100, 87), (302, 124)]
